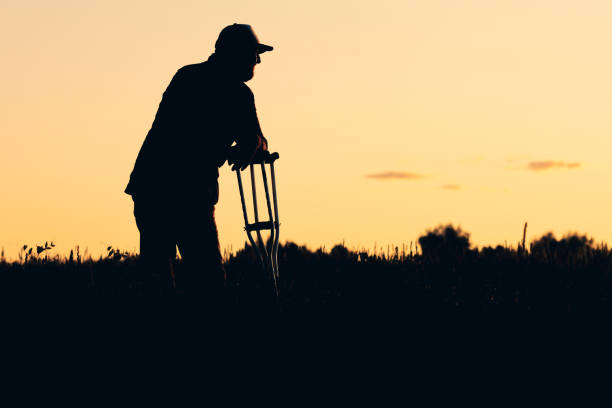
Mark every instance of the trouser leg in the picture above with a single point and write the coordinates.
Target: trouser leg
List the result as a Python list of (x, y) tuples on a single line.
[(157, 246), (202, 274)]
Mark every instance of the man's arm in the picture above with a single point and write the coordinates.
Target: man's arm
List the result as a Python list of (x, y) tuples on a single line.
[(249, 138)]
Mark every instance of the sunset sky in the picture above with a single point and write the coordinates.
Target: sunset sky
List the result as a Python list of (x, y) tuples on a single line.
[(391, 117)]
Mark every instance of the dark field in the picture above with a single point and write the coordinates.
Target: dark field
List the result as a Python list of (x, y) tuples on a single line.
[(567, 275)]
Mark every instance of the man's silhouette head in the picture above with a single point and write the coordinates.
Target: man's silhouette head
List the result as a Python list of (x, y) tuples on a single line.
[(238, 50)]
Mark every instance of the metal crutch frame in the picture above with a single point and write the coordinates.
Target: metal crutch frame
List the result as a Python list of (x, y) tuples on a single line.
[(268, 256)]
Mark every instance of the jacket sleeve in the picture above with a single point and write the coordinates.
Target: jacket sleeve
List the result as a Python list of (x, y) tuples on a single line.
[(249, 137)]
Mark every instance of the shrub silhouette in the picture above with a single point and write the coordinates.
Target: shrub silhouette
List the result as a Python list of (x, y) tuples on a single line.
[(571, 245), (341, 253), (445, 242)]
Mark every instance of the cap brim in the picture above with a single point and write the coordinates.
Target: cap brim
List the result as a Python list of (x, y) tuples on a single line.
[(263, 48)]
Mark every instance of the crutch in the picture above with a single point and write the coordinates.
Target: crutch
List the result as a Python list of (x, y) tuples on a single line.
[(268, 257)]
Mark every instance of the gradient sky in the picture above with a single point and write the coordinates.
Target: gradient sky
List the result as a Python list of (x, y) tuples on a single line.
[(391, 117)]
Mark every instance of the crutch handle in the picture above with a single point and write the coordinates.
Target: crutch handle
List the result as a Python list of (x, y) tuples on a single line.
[(265, 156), (272, 157)]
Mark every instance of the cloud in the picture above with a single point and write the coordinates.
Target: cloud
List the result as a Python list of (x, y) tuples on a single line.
[(450, 187), (389, 175), (549, 164)]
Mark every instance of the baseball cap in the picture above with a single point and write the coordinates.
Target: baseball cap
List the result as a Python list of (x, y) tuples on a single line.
[(239, 36)]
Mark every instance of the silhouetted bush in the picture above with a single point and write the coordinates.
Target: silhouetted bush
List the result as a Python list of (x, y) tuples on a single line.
[(445, 243), (572, 245)]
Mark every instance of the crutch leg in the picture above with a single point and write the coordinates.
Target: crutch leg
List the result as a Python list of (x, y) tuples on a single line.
[(260, 241), (266, 253), (271, 260), (246, 218), (276, 224)]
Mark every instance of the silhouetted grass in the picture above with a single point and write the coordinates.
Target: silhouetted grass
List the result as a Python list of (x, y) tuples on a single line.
[(565, 275)]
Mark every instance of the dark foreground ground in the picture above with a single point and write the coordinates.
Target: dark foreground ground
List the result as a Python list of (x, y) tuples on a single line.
[(337, 310)]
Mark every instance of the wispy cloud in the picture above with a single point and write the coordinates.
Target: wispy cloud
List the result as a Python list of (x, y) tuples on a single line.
[(450, 187), (549, 164), (391, 175)]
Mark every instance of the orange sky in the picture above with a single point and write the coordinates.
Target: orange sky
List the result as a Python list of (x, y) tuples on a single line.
[(391, 117)]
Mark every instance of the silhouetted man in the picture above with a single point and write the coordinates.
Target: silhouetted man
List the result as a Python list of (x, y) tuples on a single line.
[(205, 109)]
